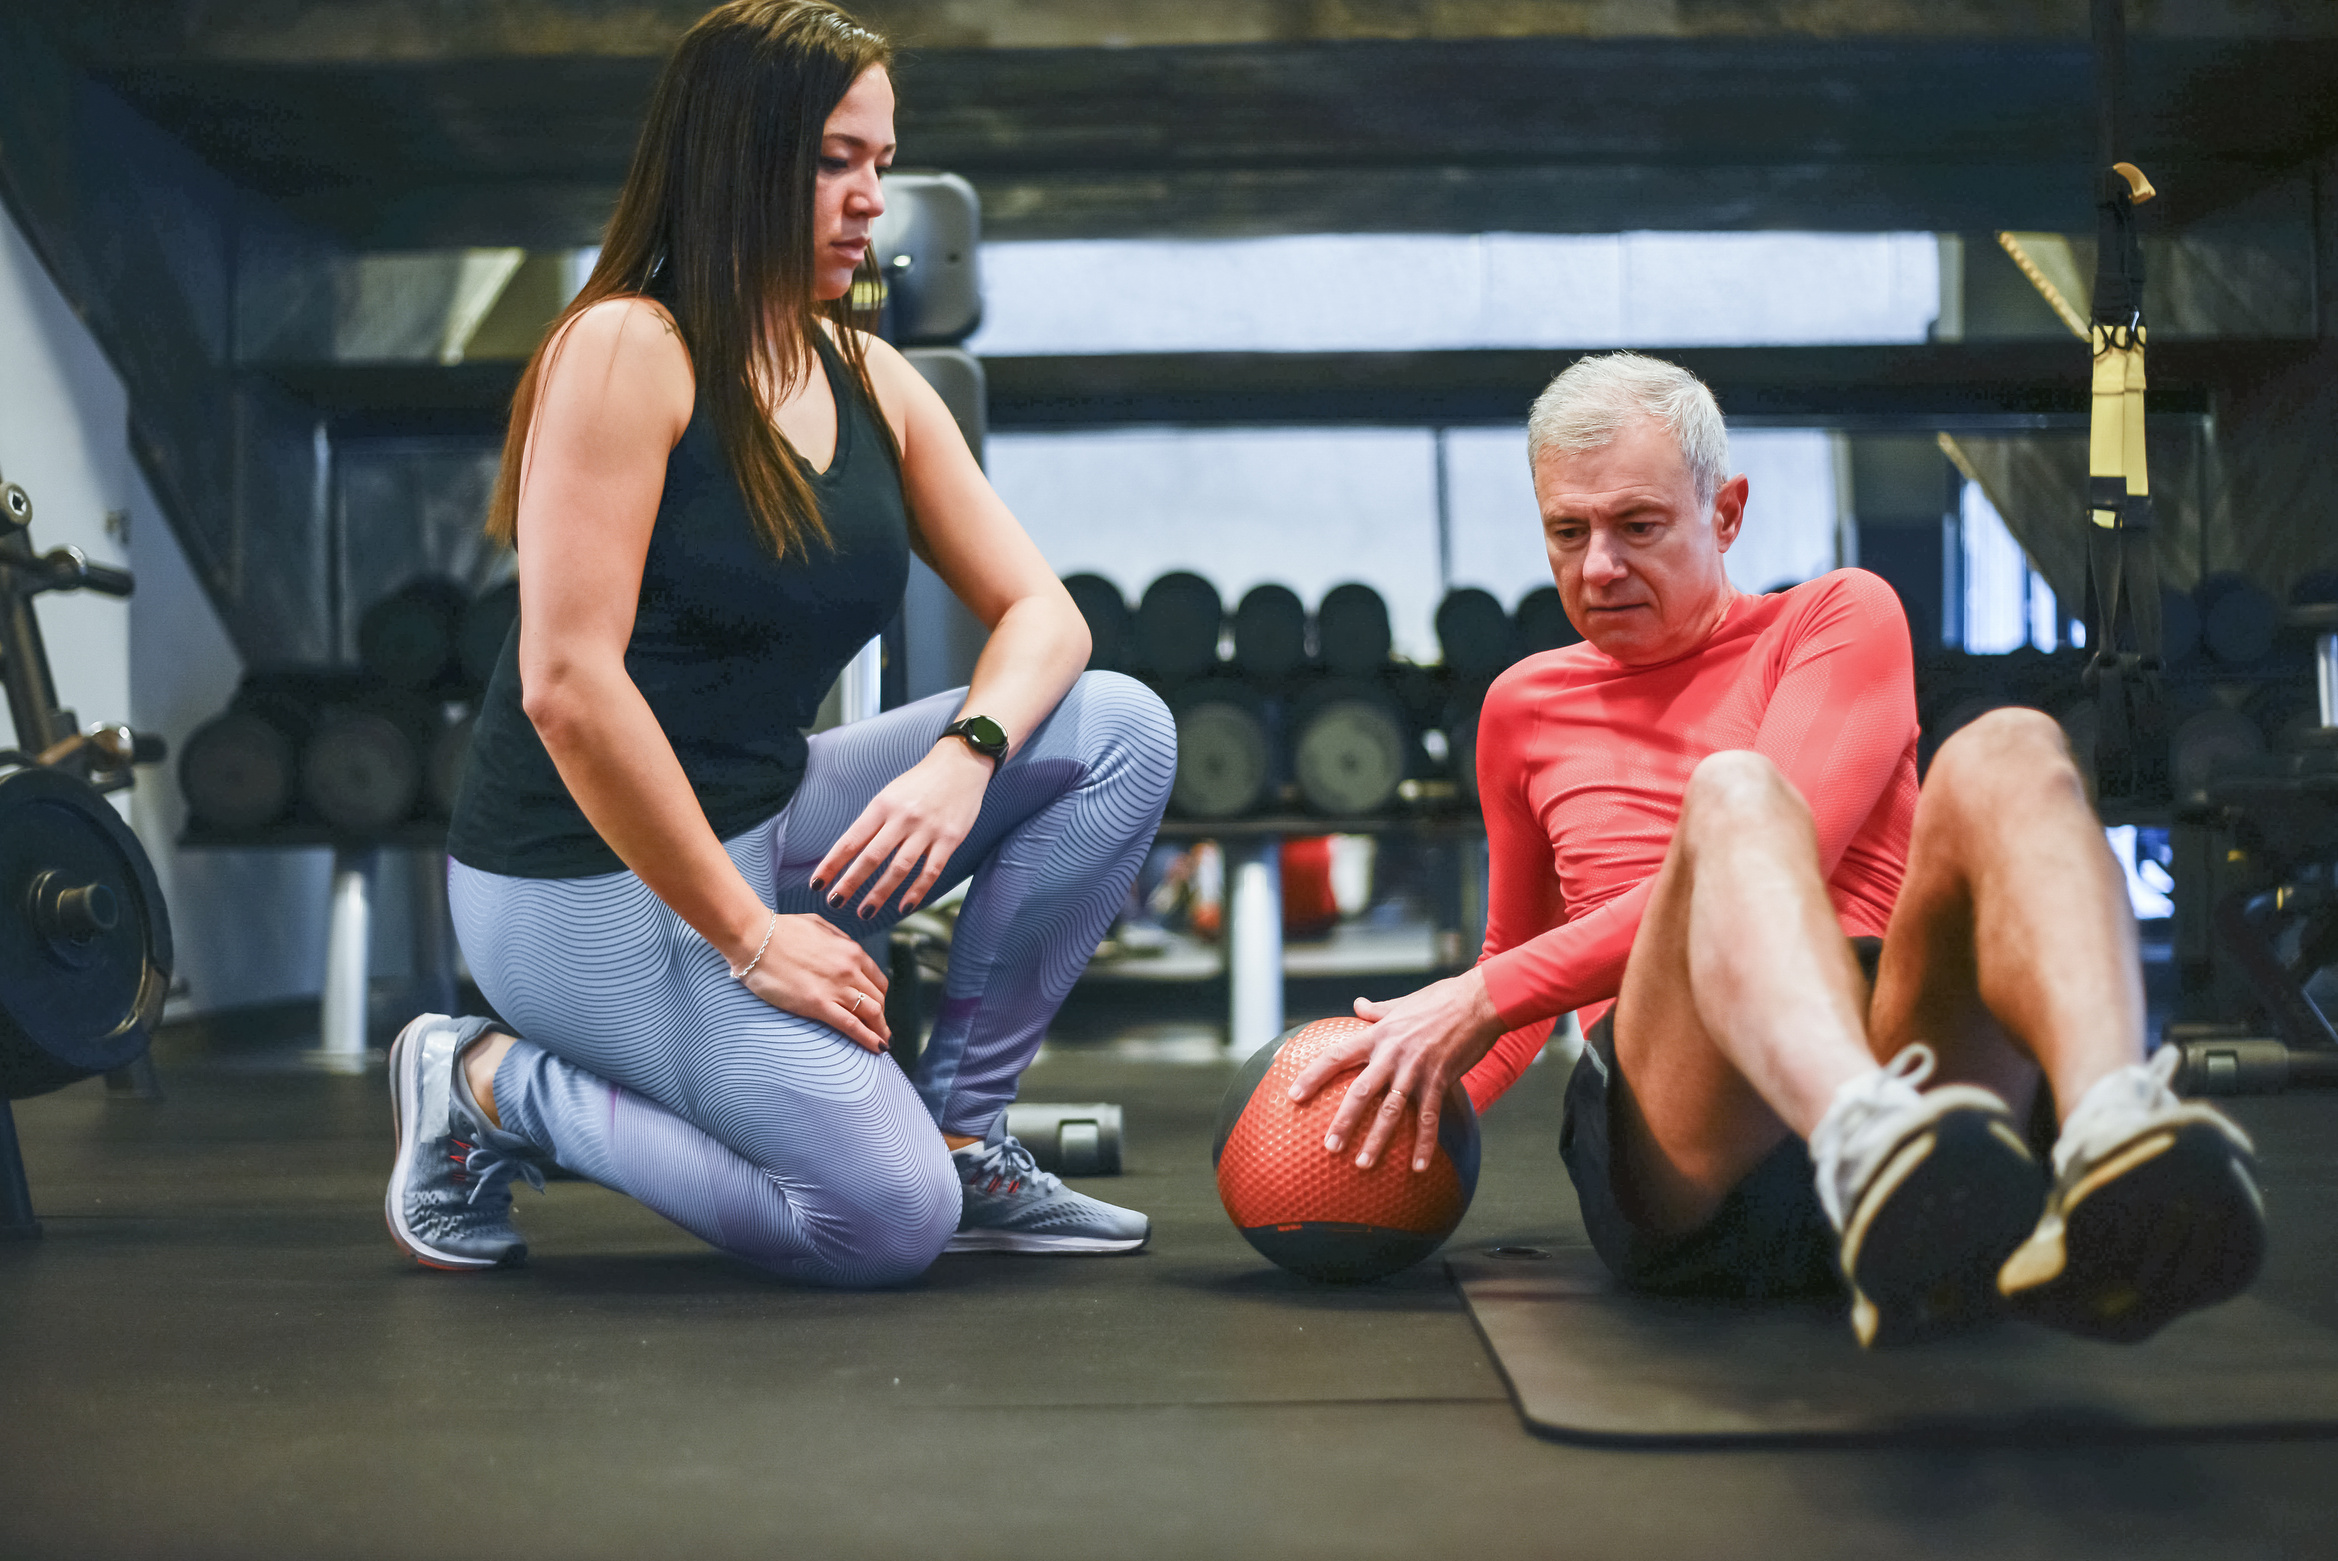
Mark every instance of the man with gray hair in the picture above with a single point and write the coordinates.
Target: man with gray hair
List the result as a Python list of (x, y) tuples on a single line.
[(1706, 834)]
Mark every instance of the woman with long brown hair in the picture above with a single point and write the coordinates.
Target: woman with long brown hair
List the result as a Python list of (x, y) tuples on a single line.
[(714, 479)]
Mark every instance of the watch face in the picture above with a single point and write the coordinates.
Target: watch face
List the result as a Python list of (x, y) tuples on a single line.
[(985, 733)]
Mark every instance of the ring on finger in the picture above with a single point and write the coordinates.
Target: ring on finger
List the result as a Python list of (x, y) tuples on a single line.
[(857, 999)]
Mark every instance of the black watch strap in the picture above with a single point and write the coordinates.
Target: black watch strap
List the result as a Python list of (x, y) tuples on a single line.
[(980, 733)]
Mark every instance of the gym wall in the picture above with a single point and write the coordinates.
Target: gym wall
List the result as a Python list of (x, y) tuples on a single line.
[(249, 925)]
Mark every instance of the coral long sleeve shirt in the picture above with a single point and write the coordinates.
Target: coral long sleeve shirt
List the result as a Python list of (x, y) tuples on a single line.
[(1583, 763)]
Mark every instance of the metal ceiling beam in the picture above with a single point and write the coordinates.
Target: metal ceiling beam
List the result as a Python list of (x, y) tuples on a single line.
[(311, 32)]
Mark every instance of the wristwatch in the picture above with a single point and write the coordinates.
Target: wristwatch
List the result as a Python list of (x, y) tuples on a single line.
[(981, 734)]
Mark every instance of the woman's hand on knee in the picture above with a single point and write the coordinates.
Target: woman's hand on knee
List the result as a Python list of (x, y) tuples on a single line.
[(907, 833), (813, 970), (1416, 1050)]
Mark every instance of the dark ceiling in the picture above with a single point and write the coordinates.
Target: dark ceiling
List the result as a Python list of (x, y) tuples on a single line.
[(1548, 134)]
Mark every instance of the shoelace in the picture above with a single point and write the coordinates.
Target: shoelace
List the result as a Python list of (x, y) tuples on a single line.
[(482, 1164), (2105, 1115), (1859, 1104), (1008, 1162)]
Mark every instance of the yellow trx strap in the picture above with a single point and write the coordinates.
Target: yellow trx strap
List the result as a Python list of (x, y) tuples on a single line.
[(2116, 462)]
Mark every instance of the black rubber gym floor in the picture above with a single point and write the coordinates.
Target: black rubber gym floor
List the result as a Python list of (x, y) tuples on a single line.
[(215, 1351)]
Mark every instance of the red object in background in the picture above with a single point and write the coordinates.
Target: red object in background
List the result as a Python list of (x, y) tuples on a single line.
[(1310, 909)]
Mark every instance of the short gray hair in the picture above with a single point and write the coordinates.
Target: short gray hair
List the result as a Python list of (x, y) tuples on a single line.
[(1585, 407)]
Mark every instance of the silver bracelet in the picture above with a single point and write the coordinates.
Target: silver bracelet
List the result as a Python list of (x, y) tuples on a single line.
[(747, 969)]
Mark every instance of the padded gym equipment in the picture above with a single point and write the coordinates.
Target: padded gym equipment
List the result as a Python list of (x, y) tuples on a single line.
[(1349, 749), (1177, 627), (1542, 622), (361, 770), (85, 943), (1111, 627), (1476, 635), (409, 639), (928, 246), (1225, 754), (2238, 620), (1351, 631), (1314, 1212), (237, 772), (1069, 1140), (1270, 633), (1588, 1362)]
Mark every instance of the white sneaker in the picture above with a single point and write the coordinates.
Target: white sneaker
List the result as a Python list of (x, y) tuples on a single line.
[(1928, 1190), (2154, 1212)]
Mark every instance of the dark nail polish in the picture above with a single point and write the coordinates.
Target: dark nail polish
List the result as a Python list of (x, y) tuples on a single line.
[(817, 886), (836, 899)]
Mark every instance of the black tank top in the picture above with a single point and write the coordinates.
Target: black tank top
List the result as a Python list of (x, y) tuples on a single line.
[(732, 647)]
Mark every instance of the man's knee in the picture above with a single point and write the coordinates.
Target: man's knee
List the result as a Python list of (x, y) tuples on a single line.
[(2012, 752), (1738, 790)]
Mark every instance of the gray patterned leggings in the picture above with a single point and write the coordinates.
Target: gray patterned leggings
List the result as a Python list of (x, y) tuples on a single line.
[(645, 1067)]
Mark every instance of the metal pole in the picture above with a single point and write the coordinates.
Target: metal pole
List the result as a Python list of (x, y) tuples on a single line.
[(1254, 947), (348, 946)]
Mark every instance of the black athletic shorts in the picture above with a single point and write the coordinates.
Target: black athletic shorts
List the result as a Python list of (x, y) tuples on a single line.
[(1768, 1238)]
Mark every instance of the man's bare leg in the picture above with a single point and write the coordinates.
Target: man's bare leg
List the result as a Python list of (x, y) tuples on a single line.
[(1742, 1018), (2012, 948), (1742, 1008)]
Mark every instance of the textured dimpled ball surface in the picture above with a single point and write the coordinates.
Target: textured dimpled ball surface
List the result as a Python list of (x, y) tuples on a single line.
[(1274, 1169)]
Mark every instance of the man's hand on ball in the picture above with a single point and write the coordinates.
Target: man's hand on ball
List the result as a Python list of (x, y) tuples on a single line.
[(813, 970), (912, 826), (1418, 1047)]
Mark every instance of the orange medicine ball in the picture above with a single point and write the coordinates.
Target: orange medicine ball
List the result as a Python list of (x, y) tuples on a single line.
[(1312, 1211)]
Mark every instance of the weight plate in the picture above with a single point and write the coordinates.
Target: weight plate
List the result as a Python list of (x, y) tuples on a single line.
[(408, 637), (1474, 633), (1223, 761), (85, 945), (1542, 622), (1349, 758), (236, 772), (1270, 632), (360, 772), (1351, 630), (1111, 630), (1177, 626)]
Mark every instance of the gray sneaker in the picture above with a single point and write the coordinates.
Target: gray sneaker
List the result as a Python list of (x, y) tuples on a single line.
[(1930, 1190), (449, 1201), (1013, 1206), (2155, 1212)]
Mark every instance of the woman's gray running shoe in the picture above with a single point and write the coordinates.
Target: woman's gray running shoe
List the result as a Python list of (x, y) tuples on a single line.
[(1013, 1206), (449, 1201), (1929, 1190), (2155, 1212)]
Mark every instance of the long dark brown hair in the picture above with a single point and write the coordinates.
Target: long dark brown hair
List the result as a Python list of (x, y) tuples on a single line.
[(716, 223)]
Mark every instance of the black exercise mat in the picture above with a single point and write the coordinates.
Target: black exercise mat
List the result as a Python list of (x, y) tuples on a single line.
[(1587, 1362)]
